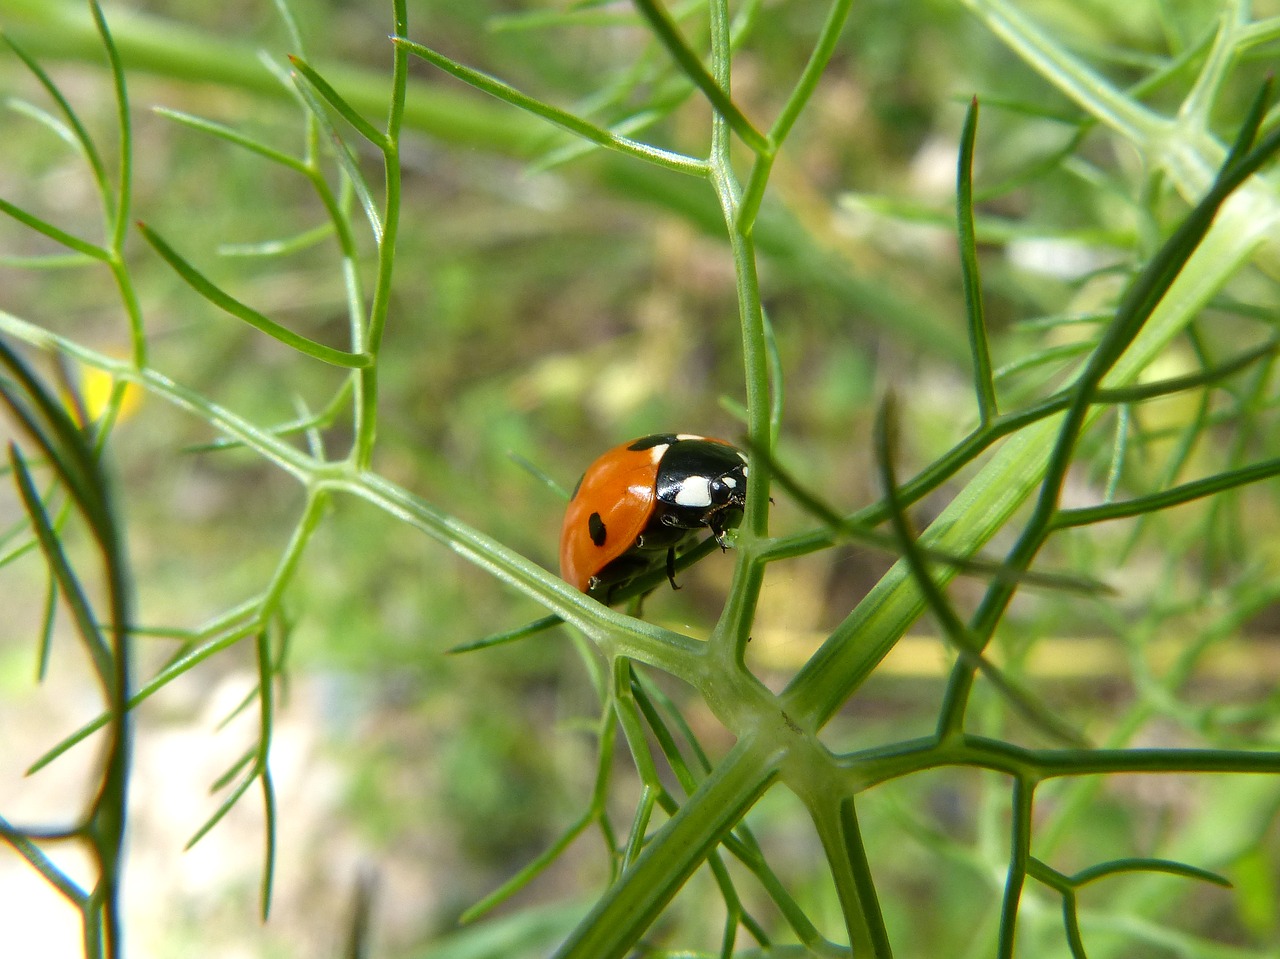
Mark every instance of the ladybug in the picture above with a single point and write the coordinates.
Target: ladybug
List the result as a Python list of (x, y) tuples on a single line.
[(642, 501)]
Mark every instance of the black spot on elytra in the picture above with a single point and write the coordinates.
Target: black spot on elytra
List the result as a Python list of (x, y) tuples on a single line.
[(595, 529)]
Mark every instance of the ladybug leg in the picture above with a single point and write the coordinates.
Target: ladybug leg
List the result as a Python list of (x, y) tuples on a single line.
[(671, 567), (718, 532)]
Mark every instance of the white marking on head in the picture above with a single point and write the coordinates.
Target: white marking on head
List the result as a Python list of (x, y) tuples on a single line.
[(688, 436), (657, 452), (729, 481), (744, 471), (694, 491)]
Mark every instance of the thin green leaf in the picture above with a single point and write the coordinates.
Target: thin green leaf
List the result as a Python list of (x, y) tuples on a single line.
[(510, 636), (814, 67), (271, 840), (62, 443), (1247, 135), (539, 474), (119, 209), (42, 864), (234, 770), (283, 246), (346, 160), (247, 700), (49, 261), (1139, 864), (224, 807), (158, 682), (689, 62), (529, 872), (60, 568), (865, 895), (1179, 384), (662, 735), (215, 295), (1019, 856), (1166, 499), (267, 672), (47, 621), (58, 235), (777, 389), (959, 635), (79, 134), (233, 136), (335, 100), (980, 350), (861, 532), (290, 23), (47, 120), (639, 825), (561, 118)]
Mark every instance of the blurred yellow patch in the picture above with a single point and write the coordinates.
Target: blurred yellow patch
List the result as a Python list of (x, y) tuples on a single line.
[(95, 391)]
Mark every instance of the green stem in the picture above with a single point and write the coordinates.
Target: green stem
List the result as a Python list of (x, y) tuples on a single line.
[(366, 408), (616, 922)]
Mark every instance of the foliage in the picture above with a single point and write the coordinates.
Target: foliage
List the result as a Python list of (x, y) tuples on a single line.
[(1102, 466)]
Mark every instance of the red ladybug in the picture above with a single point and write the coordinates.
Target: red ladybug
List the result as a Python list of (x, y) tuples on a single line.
[(641, 501)]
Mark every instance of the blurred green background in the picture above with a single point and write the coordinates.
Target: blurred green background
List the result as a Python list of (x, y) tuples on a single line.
[(550, 310)]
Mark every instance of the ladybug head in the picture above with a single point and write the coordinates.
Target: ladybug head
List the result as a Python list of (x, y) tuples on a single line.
[(730, 488)]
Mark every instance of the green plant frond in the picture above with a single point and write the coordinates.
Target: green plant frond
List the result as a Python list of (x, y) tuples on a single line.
[(305, 423), (606, 14), (47, 120), (560, 118), (1053, 356), (967, 646), (47, 621), (75, 131), (1002, 482), (119, 210), (225, 806), (290, 21), (233, 136), (247, 700), (861, 530), (1166, 499), (234, 770), (541, 475), (270, 836), (49, 871), (1139, 864), (162, 679), (508, 636), (50, 262), (329, 95), (54, 233), (70, 454), (345, 158), (662, 735), (267, 673), (529, 872), (1078, 81), (65, 448), (984, 384), (281, 247), (668, 33), (219, 298)]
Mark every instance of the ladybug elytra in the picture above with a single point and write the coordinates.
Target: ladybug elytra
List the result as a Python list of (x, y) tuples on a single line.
[(640, 502)]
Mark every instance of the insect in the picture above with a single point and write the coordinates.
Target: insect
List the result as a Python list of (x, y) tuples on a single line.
[(642, 501)]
